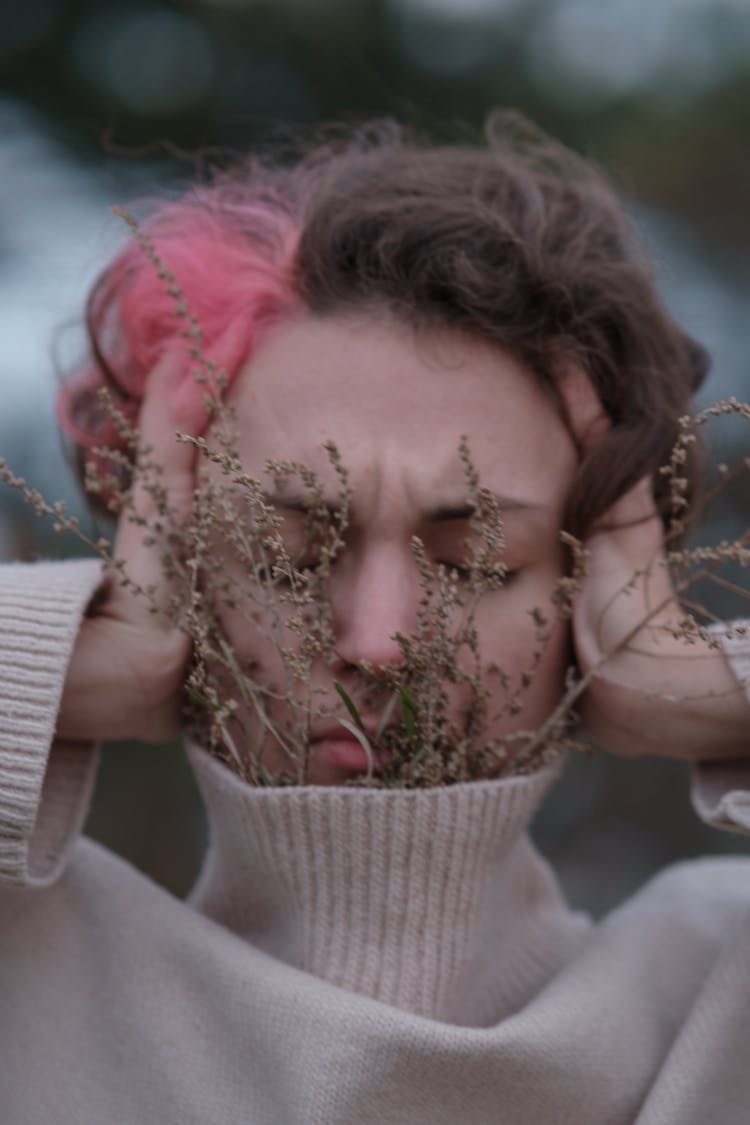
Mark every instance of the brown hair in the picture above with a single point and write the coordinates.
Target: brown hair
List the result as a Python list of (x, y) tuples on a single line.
[(519, 242)]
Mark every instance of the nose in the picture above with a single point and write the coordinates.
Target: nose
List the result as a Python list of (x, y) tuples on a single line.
[(374, 596)]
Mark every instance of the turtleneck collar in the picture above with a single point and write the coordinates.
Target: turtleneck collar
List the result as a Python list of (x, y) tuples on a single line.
[(430, 900)]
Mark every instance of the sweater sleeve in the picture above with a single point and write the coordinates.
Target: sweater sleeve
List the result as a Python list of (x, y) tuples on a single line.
[(720, 790), (45, 786)]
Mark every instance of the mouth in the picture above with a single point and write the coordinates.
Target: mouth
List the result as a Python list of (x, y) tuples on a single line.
[(337, 746)]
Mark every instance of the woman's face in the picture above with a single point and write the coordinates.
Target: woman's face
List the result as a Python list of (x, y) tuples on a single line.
[(396, 403)]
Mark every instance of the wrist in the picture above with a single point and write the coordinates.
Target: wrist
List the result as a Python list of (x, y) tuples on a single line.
[(122, 683)]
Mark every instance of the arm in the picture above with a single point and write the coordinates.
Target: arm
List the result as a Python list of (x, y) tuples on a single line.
[(127, 669), (44, 792), (720, 790), (658, 694), (648, 691), (112, 670)]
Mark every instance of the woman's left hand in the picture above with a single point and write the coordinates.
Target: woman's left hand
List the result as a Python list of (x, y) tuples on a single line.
[(651, 692)]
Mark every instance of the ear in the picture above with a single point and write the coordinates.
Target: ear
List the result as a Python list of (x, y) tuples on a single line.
[(584, 413), (588, 423)]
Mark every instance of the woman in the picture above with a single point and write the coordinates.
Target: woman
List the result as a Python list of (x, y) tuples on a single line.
[(362, 954)]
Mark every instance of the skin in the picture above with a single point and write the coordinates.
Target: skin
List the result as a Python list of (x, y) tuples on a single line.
[(396, 403)]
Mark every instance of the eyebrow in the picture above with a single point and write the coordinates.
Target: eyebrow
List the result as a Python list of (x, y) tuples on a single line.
[(465, 510), (297, 502), (443, 513)]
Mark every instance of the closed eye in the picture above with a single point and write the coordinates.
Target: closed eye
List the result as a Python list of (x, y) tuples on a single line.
[(464, 573), (278, 574)]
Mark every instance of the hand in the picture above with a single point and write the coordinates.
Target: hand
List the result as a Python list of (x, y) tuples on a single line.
[(651, 691), (128, 663)]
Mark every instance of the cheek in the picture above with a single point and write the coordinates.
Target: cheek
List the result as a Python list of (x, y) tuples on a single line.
[(535, 667), (260, 658), (246, 633), (250, 644)]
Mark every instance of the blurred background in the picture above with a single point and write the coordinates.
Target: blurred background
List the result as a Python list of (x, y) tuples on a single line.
[(101, 102)]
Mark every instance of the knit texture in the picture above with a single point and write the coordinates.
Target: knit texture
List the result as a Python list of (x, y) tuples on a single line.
[(347, 956), (41, 810), (721, 790), (397, 895)]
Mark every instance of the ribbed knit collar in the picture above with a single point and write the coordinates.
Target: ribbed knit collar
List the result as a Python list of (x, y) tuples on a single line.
[(431, 900)]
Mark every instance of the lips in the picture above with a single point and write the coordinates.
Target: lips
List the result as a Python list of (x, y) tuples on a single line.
[(337, 731), (337, 746)]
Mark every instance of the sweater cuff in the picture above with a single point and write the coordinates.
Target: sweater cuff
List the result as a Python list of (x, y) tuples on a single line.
[(720, 790), (43, 796), (735, 641)]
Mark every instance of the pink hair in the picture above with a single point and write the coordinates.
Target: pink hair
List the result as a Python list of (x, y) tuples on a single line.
[(231, 260)]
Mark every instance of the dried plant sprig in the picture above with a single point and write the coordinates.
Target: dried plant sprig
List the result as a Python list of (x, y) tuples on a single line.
[(281, 602), (421, 740), (422, 737), (674, 470), (57, 512)]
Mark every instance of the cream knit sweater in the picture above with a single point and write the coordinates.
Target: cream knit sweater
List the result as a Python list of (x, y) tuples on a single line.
[(347, 956)]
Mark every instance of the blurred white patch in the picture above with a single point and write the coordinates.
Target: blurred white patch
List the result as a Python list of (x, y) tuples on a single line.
[(56, 231), (584, 48), (462, 9)]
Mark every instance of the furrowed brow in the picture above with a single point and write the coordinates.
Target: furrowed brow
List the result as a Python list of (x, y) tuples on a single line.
[(299, 502), (464, 510), (443, 513)]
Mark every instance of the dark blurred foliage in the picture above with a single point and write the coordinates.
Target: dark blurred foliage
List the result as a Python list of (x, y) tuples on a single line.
[(152, 78), (657, 93)]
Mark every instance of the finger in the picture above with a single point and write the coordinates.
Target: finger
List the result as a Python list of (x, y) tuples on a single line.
[(173, 404), (630, 532), (164, 476), (628, 581), (654, 690), (633, 508)]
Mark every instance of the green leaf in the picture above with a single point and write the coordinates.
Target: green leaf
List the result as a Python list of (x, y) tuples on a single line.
[(199, 697), (364, 742), (350, 706), (408, 713)]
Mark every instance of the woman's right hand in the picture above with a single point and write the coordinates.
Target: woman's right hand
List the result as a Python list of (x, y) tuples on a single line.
[(128, 664)]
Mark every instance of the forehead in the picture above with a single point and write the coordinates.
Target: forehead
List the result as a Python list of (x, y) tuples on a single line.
[(396, 402)]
